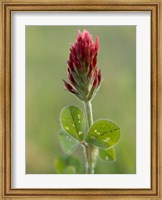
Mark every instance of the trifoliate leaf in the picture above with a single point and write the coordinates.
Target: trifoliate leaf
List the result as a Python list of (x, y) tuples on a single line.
[(103, 134), (73, 122), (68, 143), (107, 154)]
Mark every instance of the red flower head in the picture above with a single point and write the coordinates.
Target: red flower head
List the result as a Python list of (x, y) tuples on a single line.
[(84, 75)]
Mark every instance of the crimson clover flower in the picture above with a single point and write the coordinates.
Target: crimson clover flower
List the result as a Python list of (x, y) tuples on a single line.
[(83, 73)]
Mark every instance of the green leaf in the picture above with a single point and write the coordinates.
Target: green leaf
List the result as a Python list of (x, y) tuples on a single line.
[(73, 122), (68, 143), (63, 163), (103, 134), (107, 154), (59, 165), (70, 170)]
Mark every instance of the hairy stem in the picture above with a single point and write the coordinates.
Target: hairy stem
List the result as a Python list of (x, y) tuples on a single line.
[(89, 114), (90, 151)]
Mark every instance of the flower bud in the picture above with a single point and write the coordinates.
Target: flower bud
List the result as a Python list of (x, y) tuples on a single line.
[(83, 73)]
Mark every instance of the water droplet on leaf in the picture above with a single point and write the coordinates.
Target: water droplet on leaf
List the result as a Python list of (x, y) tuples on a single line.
[(107, 158), (106, 139), (80, 133)]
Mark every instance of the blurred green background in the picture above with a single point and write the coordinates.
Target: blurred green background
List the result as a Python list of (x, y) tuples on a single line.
[(47, 50)]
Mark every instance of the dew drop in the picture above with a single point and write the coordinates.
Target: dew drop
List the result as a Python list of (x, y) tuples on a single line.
[(106, 140), (80, 132), (107, 158), (78, 116), (67, 128)]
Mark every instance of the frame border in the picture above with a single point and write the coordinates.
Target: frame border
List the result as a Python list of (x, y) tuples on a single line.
[(5, 100)]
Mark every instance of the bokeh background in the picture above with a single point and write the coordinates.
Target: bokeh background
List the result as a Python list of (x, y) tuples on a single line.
[(47, 50)]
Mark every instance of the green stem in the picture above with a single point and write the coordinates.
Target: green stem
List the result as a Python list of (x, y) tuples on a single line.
[(90, 151), (89, 114)]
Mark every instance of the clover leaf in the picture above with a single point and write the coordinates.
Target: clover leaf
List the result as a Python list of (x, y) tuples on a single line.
[(103, 134), (107, 154), (73, 122), (68, 143)]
